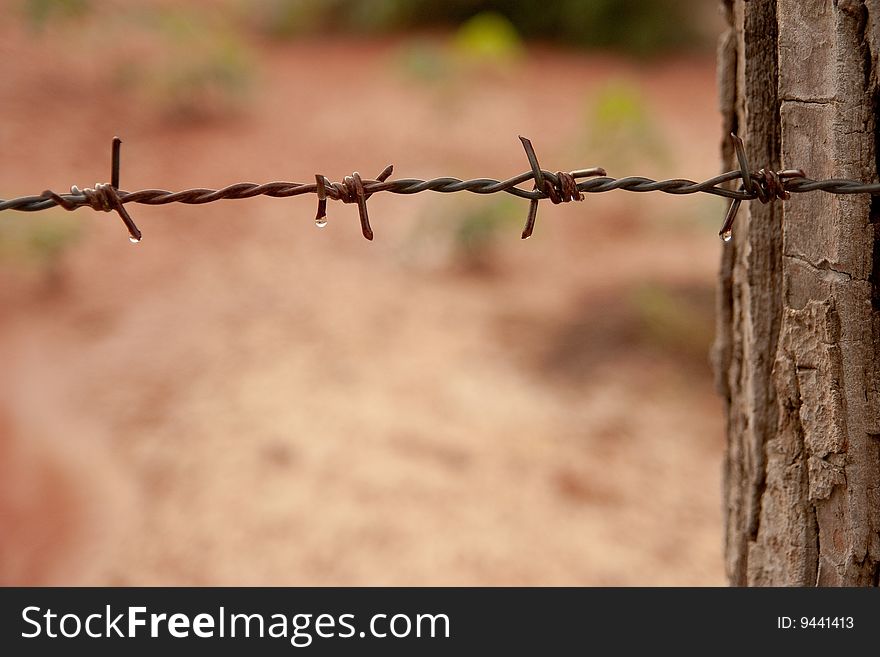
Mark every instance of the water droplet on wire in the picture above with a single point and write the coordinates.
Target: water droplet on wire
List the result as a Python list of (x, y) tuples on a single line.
[(321, 222), (134, 240), (727, 235)]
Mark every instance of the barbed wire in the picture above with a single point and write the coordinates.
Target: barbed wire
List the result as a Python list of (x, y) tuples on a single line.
[(764, 185)]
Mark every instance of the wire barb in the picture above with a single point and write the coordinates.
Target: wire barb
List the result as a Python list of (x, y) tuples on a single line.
[(764, 185), (103, 197), (539, 185), (561, 189), (321, 216), (351, 190)]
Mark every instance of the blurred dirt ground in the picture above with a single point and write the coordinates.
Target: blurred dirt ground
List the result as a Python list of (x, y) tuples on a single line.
[(244, 399)]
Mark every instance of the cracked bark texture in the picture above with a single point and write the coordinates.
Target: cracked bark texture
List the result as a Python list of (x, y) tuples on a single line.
[(797, 352)]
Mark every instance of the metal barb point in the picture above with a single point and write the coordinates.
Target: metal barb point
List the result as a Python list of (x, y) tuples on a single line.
[(386, 173), (114, 162), (355, 188), (727, 227), (133, 231), (538, 175), (322, 198), (361, 199), (747, 185), (740, 149), (111, 193)]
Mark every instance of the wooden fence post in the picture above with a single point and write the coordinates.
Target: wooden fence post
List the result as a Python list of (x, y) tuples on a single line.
[(797, 351)]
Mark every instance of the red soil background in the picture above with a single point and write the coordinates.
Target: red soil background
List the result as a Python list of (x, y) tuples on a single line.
[(244, 399)]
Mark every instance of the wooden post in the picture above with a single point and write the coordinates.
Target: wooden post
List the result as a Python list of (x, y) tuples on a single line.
[(797, 351)]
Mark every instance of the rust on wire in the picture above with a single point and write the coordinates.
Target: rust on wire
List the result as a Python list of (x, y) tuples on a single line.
[(764, 185), (561, 190), (769, 185), (103, 197)]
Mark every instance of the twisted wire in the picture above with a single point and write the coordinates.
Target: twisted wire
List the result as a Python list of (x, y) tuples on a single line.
[(279, 189), (764, 185)]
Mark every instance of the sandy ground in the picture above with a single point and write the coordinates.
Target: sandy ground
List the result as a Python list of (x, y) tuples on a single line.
[(244, 399)]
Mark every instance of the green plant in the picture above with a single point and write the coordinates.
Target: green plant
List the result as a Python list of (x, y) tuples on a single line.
[(424, 61), (203, 69), (674, 320), (38, 239), (290, 18), (618, 121), (488, 41), (488, 37), (633, 26), (477, 230), (39, 13)]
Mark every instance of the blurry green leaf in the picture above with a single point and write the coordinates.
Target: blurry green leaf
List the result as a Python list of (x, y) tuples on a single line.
[(633, 26), (39, 237), (478, 229), (488, 36), (40, 12), (619, 105), (424, 61), (286, 18), (675, 320), (620, 127), (206, 68)]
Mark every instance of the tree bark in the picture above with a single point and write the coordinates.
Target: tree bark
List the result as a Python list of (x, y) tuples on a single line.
[(797, 351)]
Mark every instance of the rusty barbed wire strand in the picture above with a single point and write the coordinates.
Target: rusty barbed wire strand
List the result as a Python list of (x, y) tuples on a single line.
[(763, 185)]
